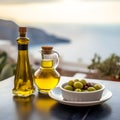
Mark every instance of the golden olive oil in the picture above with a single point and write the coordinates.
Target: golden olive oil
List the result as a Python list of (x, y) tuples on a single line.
[(46, 78), (23, 81)]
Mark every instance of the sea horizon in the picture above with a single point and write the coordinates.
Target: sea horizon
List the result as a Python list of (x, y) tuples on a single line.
[(86, 40)]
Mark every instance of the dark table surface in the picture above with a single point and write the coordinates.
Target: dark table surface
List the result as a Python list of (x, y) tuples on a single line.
[(42, 107)]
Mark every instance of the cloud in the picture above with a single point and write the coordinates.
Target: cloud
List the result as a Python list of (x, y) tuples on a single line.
[(25, 1)]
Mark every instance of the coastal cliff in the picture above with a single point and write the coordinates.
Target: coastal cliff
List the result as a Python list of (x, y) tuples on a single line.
[(9, 31)]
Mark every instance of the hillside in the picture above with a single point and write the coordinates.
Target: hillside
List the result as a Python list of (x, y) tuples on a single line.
[(9, 31)]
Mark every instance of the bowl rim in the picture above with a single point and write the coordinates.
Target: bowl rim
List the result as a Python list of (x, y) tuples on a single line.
[(69, 91)]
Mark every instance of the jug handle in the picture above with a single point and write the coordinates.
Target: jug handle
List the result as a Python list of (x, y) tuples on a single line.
[(57, 58)]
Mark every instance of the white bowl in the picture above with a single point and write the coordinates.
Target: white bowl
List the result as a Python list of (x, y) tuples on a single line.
[(82, 96)]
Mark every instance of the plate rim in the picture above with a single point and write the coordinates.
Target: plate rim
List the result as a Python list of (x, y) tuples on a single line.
[(76, 103)]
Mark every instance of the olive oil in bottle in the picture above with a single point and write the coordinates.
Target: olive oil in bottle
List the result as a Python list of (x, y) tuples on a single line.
[(23, 81), (46, 77)]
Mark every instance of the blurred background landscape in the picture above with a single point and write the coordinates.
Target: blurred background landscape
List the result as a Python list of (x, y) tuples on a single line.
[(78, 29)]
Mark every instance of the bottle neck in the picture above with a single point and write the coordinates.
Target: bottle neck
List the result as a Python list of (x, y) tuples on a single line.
[(23, 50), (23, 59), (23, 47), (23, 53)]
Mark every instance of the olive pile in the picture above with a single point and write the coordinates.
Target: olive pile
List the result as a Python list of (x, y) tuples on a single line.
[(81, 86)]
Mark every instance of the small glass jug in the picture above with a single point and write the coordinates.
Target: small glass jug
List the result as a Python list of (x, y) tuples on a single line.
[(46, 77)]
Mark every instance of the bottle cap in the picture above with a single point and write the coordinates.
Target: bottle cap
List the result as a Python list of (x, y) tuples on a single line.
[(22, 29), (47, 49)]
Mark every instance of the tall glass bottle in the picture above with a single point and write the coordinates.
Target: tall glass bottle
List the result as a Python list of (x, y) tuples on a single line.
[(47, 77), (23, 81)]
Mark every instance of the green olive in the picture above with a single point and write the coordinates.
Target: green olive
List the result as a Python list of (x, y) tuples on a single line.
[(97, 86), (76, 80), (68, 87), (84, 90), (77, 90), (78, 85), (83, 82), (71, 82), (91, 89)]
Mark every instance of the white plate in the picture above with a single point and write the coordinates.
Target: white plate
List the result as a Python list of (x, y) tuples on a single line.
[(57, 95)]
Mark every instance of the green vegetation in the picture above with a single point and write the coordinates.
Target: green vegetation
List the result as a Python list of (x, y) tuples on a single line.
[(108, 67), (7, 66)]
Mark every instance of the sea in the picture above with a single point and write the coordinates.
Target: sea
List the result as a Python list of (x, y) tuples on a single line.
[(85, 41)]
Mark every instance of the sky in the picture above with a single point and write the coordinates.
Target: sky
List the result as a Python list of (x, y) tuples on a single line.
[(61, 11)]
